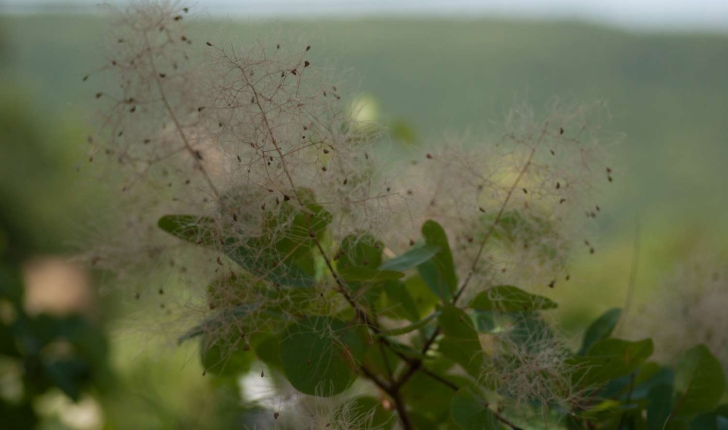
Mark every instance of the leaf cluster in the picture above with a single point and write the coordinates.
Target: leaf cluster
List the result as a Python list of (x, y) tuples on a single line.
[(402, 329)]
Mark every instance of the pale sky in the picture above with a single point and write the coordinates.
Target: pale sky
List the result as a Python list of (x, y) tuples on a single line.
[(663, 14)]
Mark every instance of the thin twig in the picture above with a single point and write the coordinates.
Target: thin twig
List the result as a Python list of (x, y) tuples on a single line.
[(632, 279), (178, 126), (491, 230), (414, 366)]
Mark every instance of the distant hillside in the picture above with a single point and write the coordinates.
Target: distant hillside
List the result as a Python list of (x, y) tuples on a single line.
[(668, 93)]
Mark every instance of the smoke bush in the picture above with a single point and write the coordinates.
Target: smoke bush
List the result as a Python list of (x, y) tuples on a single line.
[(242, 172)]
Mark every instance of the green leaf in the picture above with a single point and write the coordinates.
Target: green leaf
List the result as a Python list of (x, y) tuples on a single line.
[(608, 359), (470, 412), (363, 274), (359, 251), (428, 398), (699, 380), (313, 360), (506, 298), (194, 229), (267, 348), (659, 406), (274, 266), (439, 271), (227, 356), (220, 320), (425, 299), (461, 342), (600, 329), (638, 384), (412, 258), (283, 253), (380, 359), (709, 421), (399, 303), (409, 328), (360, 256)]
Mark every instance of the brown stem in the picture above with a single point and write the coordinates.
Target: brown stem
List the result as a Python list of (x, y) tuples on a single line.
[(404, 419), (393, 392), (505, 421)]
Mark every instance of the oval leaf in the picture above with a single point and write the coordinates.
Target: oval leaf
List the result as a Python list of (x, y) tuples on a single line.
[(600, 329), (470, 412), (439, 271), (609, 359), (461, 343), (700, 381), (314, 362), (225, 357), (194, 229), (507, 298), (412, 258)]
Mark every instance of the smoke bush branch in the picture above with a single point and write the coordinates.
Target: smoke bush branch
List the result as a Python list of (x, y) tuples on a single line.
[(178, 126)]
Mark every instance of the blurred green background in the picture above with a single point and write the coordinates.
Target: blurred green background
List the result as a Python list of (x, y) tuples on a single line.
[(668, 94)]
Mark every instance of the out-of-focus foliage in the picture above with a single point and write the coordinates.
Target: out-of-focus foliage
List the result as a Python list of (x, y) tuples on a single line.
[(48, 351)]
